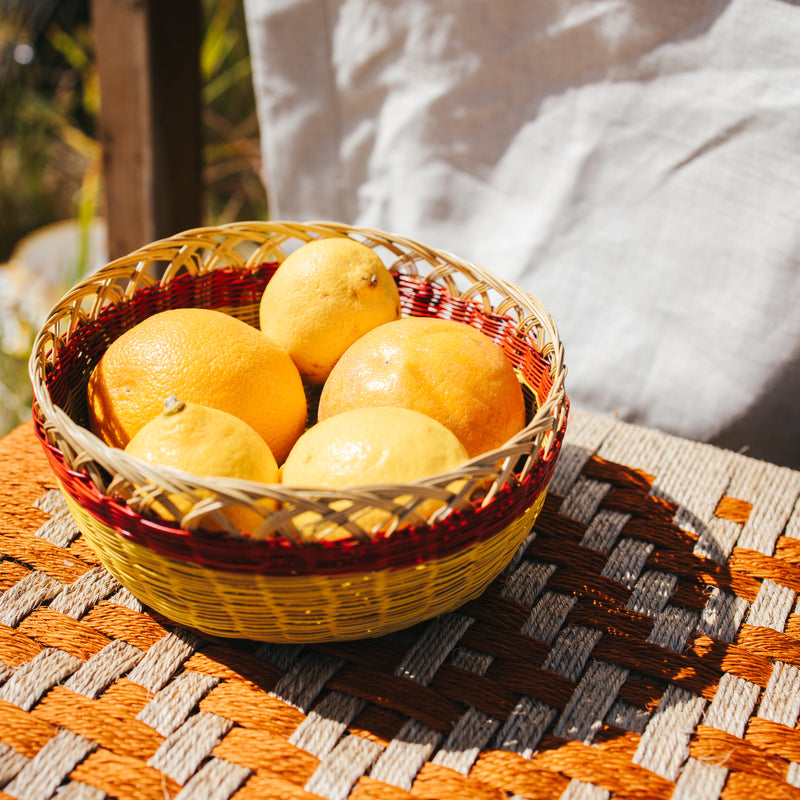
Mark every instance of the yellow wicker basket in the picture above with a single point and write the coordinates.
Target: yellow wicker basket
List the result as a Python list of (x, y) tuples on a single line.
[(267, 584)]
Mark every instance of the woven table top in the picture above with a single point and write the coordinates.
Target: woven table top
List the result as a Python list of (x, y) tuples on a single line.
[(645, 643)]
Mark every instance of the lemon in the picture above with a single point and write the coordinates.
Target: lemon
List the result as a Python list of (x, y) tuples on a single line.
[(206, 442), (324, 296), (202, 356), (443, 368), (377, 445)]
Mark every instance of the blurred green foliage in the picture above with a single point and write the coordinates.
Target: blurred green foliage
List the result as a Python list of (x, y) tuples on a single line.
[(232, 150), (48, 110), (50, 159), (49, 101)]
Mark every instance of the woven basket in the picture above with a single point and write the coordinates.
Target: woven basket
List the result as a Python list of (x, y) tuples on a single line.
[(268, 584)]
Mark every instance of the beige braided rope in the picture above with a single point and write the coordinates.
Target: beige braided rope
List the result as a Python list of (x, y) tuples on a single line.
[(621, 655)]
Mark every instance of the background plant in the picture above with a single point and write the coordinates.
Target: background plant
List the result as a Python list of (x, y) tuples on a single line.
[(50, 158)]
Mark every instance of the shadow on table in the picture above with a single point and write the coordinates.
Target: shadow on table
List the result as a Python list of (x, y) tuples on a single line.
[(598, 624)]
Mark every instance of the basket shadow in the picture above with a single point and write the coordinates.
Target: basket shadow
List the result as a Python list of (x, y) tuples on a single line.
[(603, 620)]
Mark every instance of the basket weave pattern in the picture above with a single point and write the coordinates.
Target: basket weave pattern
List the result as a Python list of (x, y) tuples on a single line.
[(173, 569), (645, 644)]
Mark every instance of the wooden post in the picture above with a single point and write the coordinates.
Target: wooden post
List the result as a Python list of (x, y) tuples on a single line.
[(150, 124)]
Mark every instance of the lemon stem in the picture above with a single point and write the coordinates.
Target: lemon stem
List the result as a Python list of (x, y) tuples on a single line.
[(173, 406)]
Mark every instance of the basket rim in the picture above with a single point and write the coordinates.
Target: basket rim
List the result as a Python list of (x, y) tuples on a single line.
[(280, 556), (546, 420)]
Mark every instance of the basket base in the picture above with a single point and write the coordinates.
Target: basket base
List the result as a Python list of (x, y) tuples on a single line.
[(302, 608)]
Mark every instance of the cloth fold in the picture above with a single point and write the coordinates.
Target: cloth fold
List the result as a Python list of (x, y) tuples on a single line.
[(634, 164)]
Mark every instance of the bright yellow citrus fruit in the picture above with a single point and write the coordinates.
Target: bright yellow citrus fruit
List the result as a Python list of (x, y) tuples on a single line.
[(202, 356), (377, 445), (324, 296), (206, 442), (443, 368)]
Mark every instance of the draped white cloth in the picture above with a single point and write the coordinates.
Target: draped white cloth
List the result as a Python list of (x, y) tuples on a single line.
[(634, 163)]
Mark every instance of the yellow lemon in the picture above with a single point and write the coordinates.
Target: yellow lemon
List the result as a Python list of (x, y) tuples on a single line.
[(206, 442), (378, 445), (202, 356), (443, 368), (324, 296)]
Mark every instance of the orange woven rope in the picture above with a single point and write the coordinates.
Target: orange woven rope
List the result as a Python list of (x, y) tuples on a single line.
[(622, 650)]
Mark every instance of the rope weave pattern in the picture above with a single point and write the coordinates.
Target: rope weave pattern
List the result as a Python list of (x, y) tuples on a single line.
[(644, 643)]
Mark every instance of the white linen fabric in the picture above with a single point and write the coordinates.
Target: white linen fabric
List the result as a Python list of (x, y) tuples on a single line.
[(634, 163)]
